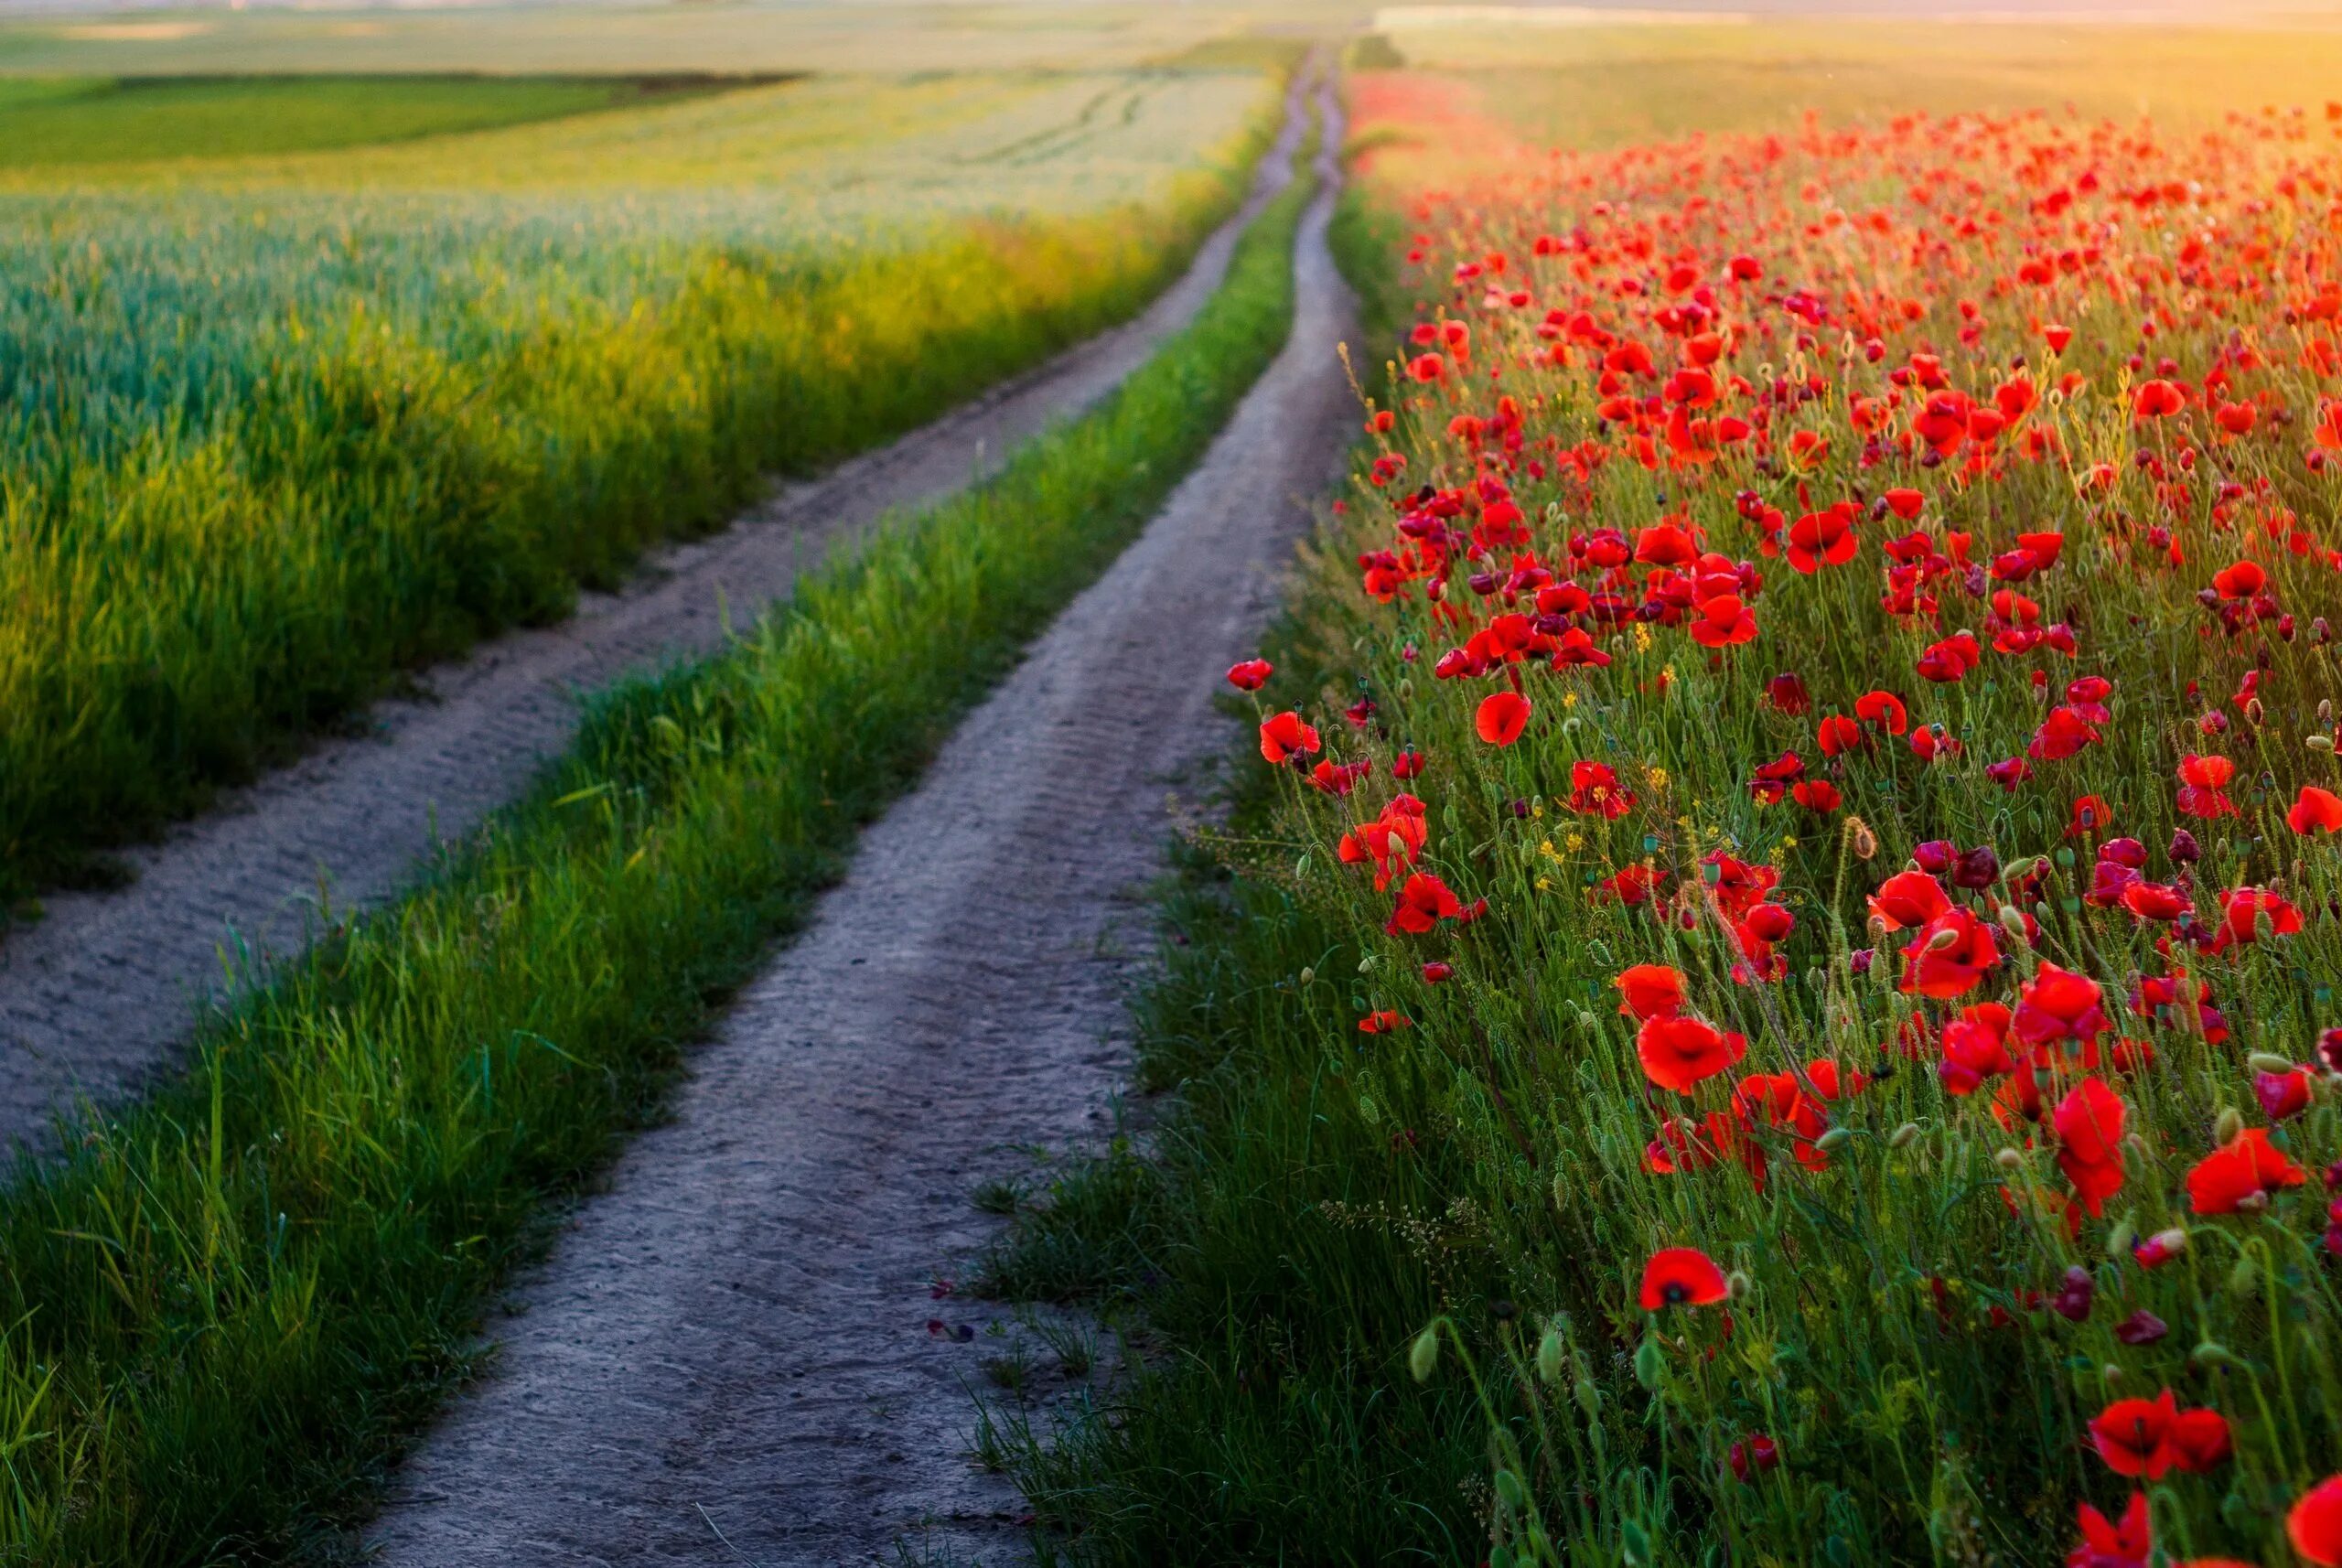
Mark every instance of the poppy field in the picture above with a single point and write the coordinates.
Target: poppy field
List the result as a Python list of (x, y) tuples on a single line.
[(1778, 978)]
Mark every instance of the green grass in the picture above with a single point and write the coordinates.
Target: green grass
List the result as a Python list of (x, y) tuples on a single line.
[(273, 430), (227, 1305), (135, 119)]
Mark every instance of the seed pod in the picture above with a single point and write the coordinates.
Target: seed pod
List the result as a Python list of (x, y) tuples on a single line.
[(1649, 1364), (1550, 1357), (1422, 1357)]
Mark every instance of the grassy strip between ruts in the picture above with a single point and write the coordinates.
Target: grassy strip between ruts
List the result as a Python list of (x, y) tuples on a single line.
[(226, 1306), (1271, 1420)]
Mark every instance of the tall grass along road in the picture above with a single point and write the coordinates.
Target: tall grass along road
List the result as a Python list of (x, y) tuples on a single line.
[(275, 428), (743, 1335), (97, 993)]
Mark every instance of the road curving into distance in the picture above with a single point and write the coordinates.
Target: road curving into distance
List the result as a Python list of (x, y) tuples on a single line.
[(728, 1358)]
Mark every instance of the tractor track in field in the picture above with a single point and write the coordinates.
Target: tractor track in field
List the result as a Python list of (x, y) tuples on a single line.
[(98, 995), (728, 1359)]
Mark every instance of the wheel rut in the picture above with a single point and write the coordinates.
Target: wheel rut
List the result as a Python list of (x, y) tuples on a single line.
[(98, 994), (727, 1358)]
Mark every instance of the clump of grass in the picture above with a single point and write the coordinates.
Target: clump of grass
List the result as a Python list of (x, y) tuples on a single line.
[(226, 1305)]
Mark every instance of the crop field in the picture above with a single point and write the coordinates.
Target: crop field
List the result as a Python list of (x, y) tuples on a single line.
[(279, 424)]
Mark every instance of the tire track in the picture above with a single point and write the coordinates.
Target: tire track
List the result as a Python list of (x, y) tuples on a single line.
[(734, 1340), (99, 994)]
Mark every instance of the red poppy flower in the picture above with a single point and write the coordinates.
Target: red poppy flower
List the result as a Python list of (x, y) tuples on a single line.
[(2158, 400), (2203, 785), (1286, 738), (1950, 660), (1594, 791), (1722, 621), (2248, 1167), (2243, 911), (1250, 675), (2089, 1124), (1948, 956), (2316, 811), (1787, 693), (1819, 538), (1423, 901), (2314, 1525), (1818, 795), (1975, 1048), (2240, 581), (2149, 1438), (1883, 709), (2059, 1005), (2062, 735), (1651, 990), (1681, 1276), (1387, 1021), (1503, 716), (2107, 1544), (1837, 734), (1682, 1053)]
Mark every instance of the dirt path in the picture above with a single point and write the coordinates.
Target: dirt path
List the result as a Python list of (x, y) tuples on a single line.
[(99, 992), (735, 1337)]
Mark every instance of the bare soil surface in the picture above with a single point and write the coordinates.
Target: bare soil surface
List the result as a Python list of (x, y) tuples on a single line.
[(729, 1357), (99, 994)]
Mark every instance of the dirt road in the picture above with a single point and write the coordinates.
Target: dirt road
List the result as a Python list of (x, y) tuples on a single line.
[(99, 994), (728, 1359)]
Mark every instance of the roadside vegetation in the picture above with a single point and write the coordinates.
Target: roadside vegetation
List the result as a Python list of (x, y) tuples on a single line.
[(227, 1305), (275, 429), (1766, 994)]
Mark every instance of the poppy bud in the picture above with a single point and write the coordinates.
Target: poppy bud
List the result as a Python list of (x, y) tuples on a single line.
[(2012, 921), (2244, 1276), (1549, 1356), (1903, 1137), (2268, 1061), (1737, 1285), (2184, 850), (1422, 1357), (2211, 1354), (1649, 1364), (1308, 975), (2119, 1240), (1859, 837), (1942, 939), (1588, 1397), (1366, 964), (2168, 1243), (2318, 742), (1499, 1554), (2010, 1159), (2227, 1125), (1509, 1488), (1835, 1139)]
